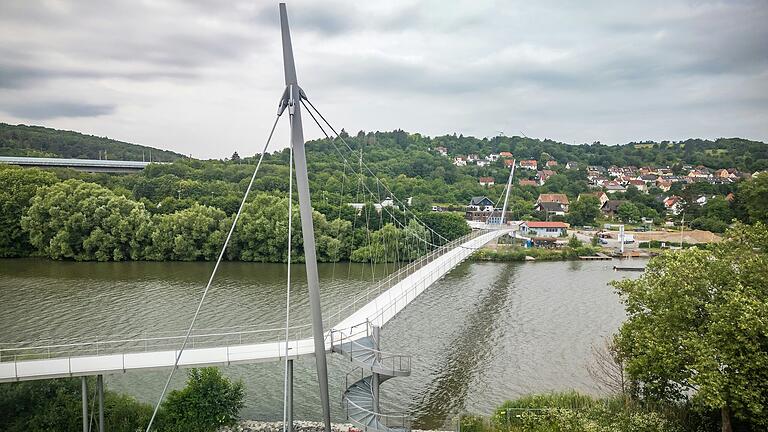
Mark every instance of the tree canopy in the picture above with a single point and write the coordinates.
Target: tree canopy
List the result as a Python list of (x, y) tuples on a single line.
[(697, 325)]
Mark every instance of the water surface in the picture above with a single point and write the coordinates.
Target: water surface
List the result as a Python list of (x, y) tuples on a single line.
[(485, 333)]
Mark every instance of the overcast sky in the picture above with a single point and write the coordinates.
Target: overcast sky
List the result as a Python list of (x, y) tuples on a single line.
[(204, 76)]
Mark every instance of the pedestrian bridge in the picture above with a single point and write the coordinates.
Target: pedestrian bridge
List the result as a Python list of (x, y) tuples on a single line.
[(219, 347)]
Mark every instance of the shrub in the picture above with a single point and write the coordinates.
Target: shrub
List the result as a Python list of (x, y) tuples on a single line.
[(208, 402)]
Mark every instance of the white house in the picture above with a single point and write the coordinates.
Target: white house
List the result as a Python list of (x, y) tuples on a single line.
[(543, 229)]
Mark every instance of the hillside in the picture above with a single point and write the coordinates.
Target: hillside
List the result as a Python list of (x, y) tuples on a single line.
[(22, 140)]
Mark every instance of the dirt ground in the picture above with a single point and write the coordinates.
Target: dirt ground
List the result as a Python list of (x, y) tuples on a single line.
[(690, 237)]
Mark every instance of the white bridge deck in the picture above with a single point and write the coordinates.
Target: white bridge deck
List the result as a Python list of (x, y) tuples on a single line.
[(405, 287)]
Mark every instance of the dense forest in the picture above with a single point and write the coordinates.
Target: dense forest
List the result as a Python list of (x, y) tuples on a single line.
[(38, 141), (182, 210)]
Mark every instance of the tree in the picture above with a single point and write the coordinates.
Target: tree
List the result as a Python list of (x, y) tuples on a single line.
[(628, 212), (235, 157), (696, 325), (447, 224), (574, 242), (584, 211), (208, 402), (85, 221), (55, 405), (188, 235), (19, 186), (752, 196)]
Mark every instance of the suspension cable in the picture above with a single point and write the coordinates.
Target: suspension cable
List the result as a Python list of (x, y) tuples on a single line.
[(364, 164), (378, 181), (213, 274), (288, 286)]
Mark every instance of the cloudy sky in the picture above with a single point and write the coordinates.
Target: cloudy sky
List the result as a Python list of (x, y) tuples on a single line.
[(203, 77)]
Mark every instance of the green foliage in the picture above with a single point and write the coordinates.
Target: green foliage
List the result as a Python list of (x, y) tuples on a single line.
[(709, 224), (208, 402), (405, 165), (55, 405), (22, 140), (584, 211), (753, 198), (629, 212), (447, 224), (697, 325), (85, 221), (516, 253), (188, 235), (19, 186)]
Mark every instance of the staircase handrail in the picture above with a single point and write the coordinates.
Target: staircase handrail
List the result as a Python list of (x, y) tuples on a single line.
[(405, 419)]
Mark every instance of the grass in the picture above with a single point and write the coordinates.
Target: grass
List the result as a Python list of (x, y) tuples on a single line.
[(573, 411)]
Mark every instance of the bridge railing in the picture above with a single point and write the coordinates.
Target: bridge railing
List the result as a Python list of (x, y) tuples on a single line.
[(391, 418), (205, 338), (395, 363), (378, 317), (394, 278)]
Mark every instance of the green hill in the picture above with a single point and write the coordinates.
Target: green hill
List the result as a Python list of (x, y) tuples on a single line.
[(23, 140)]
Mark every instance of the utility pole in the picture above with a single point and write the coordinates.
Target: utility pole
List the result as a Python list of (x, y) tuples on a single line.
[(292, 100), (506, 197)]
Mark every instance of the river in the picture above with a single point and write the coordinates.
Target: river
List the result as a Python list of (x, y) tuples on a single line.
[(485, 333)]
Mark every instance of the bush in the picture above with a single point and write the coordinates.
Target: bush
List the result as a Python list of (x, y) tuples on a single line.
[(56, 405), (208, 402)]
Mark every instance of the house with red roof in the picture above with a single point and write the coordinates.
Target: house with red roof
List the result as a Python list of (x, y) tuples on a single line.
[(487, 181), (544, 229), (528, 164)]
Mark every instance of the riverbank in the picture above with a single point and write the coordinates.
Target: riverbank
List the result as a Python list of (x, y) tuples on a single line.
[(505, 253)]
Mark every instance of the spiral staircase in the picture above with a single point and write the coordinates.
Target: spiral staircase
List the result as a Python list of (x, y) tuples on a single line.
[(360, 391)]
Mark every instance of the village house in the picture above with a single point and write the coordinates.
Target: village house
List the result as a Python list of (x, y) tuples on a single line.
[(601, 196), (387, 202), (487, 181), (639, 184), (673, 204), (664, 185), (480, 204), (611, 208), (505, 155), (612, 187), (544, 229), (482, 162), (572, 165), (551, 163), (472, 157), (551, 208), (554, 198), (459, 161), (528, 182), (528, 164), (508, 163), (493, 157), (544, 175), (442, 150)]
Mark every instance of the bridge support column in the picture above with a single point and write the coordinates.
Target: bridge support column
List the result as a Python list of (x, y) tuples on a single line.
[(289, 397), (375, 379), (100, 390), (85, 404)]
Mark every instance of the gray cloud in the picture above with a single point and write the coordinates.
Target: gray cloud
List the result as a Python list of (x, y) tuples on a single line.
[(177, 73), (52, 110)]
